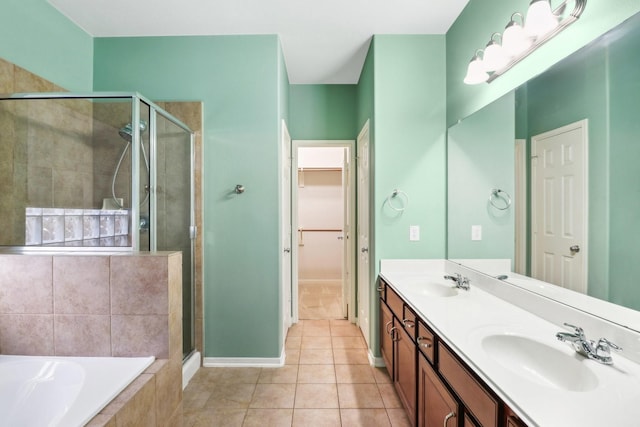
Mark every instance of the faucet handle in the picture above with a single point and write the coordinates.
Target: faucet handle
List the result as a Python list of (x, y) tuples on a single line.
[(604, 345), (577, 329)]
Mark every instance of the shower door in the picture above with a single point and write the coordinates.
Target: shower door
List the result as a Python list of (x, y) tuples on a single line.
[(172, 206)]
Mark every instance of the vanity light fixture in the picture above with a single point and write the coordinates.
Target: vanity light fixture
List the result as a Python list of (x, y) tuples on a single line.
[(521, 39)]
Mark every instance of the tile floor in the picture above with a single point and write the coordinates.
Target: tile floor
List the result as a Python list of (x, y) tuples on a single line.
[(320, 300), (327, 381)]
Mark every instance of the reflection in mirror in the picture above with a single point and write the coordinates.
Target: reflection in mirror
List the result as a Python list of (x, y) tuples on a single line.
[(592, 99)]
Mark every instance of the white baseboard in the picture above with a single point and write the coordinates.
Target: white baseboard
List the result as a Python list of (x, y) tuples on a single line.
[(189, 368), (245, 362), (378, 362)]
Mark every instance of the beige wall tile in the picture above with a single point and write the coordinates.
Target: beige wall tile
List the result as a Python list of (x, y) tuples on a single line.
[(175, 283), (26, 284), (168, 391), (82, 335), (140, 410), (140, 336), (6, 76), (26, 81), (81, 284), (139, 285), (27, 334)]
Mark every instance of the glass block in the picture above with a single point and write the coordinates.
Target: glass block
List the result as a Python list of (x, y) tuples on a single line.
[(52, 227), (33, 230), (73, 227), (107, 224)]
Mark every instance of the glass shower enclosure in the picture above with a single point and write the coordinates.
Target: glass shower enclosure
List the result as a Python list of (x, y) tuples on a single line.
[(98, 171)]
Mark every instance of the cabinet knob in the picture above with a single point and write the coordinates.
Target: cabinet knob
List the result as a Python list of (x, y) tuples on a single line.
[(394, 337), (380, 288), (427, 344), (448, 417)]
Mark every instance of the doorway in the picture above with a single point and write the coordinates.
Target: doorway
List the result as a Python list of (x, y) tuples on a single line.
[(323, 214)]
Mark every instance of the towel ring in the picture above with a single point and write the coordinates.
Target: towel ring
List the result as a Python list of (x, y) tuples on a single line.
[(395, 194), (496, 194)]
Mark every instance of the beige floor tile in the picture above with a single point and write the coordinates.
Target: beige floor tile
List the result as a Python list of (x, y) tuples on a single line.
[(354, 374), (316, 374), (230, 396), (316, 342), (237, 375), (389, 396), (317, 396), (350, 356), (292, 357), (364, 418), (381, 375), (398, 418), (339, 322), (221, 417), (316, 356), (295, 330), (348, 342), (268, 417), (316, 331), (194, 400), (284, 375), (349, 330), (274, 396), (293, 343), (359, 396), (316, 418), (318, 323)]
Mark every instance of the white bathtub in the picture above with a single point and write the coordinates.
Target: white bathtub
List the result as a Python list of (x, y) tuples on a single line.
[(62, 391)]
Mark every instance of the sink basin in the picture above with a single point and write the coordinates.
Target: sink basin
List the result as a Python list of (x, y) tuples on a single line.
[(540, 363), (431, 288)]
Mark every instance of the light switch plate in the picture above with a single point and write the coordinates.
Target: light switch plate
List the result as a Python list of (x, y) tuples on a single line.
[(414, 233), (476, 232)]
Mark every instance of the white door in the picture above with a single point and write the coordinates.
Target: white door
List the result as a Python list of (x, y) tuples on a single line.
[(520, 198), (559, 206), (363, 232), (286, 229)]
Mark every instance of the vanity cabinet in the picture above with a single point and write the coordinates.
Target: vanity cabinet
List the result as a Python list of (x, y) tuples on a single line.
[(434, 385), (398, 348)]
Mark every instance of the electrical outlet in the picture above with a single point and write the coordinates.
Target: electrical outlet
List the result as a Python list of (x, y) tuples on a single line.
[(414, 233), (476, 232)]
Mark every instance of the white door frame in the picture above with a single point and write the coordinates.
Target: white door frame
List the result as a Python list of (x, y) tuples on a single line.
[(584, 247), (351, 145), (286, 237), (520, 202)]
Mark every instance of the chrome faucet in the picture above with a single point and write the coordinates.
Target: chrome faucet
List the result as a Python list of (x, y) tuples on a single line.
[(600, 351), (461, 282)]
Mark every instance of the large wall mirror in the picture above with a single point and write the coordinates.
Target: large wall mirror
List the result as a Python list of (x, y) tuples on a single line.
[(548, 178)]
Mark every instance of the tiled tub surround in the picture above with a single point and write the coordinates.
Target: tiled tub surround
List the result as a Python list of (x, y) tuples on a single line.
[(124, 304), (76, 227), (494, 307)]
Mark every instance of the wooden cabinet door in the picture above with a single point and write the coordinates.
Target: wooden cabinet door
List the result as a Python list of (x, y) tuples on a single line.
[(436, 406), (386, 339), (405, 372)]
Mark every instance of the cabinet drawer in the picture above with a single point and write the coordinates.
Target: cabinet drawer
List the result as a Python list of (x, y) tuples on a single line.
[(395, 303), (473, 395), (426, 342), (409, 321)]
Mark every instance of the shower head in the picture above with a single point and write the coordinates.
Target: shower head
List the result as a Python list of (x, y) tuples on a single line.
[(126, 132)]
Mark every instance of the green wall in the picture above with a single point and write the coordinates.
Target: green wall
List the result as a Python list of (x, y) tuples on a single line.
[(480, 157), (37, 37), (241, 81), (409, 147), (481, 18), (624, 184), (323, 112)]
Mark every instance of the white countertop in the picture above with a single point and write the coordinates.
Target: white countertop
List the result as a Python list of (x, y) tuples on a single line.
[(463, 320)]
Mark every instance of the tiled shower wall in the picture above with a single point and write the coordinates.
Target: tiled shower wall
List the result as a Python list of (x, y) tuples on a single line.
[(107, 149)]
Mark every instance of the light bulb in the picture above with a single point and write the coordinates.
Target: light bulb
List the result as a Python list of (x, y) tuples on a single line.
[(475, 72), (494, 57), (515, 40), (540, 19)]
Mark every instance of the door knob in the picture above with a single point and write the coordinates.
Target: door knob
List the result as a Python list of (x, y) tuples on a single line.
[(287, 250), (364, 250), (575, 249)]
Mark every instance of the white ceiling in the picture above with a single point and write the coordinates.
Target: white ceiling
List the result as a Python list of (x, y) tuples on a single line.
[(324, 41)]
